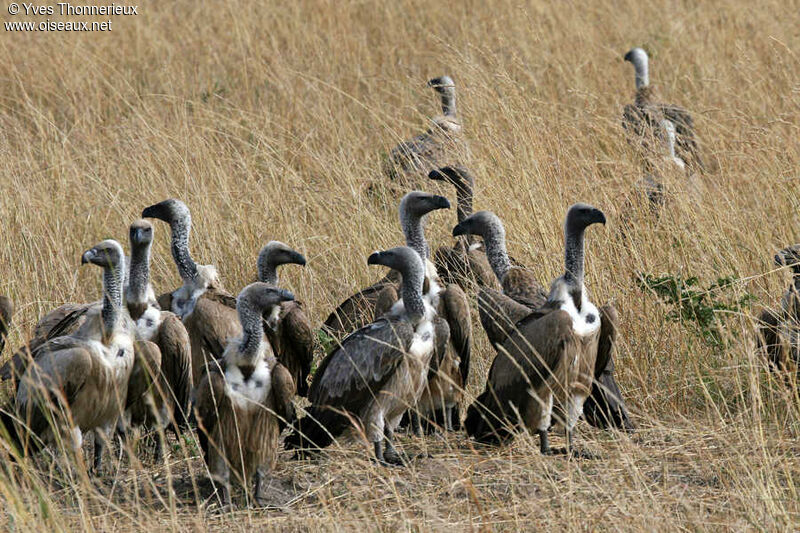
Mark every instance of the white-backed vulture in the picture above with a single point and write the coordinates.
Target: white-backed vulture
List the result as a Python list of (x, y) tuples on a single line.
[(453, 327), (465, 263), (84, 375), (288, 329), (522, 292), (546, 366), (643, 119), (441, 145), (240, 401), (6, 312), (165, 402), (779, 331), (206, 309), (377, 372)]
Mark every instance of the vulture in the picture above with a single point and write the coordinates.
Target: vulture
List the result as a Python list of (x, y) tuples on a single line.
[(442, 144), (521, 293), (465, 263), (546, 365), (207, 311), (779, 332), (83, 375), (169, 359), (377, 372), (288, 329), (643, 119), (448, 374), (240, 401), (6, 311)]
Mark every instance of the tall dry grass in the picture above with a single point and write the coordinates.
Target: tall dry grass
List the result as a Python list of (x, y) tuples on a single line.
[(269, 120)]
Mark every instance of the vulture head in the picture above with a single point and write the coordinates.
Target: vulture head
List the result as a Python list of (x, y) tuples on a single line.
[(482, 223), (402, 258), (141, 234), (169, 211), (417, 204), (107, 254), (580, 216)]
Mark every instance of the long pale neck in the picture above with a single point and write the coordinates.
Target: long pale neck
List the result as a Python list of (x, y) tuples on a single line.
[(187, 268), (494, 239), (573, 260), (139, 276), (411, 291), (252, 332), (640, 66), (449, 102), (112, 297), (268, 273), (414, 231)]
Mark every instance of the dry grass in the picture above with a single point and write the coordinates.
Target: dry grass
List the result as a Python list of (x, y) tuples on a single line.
[(269, 121)]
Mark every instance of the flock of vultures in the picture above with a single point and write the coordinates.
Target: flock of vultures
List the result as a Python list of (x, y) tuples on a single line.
[(232, 368)]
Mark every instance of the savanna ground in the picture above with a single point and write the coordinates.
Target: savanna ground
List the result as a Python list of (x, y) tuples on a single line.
[(270, 120)]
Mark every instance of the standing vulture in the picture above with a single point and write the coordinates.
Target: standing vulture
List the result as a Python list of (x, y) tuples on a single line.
[(288, 329), (206, 309), (450, 369), (779, 332), (442, 144), (6, 311), (465, 263), (173, 384), (643, 119), (377, 372), (240, 401), (84, 375), (546, 365), (522, 295)]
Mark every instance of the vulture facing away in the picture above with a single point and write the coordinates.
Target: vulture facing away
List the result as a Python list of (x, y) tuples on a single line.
[(377, 372), (240, 402)]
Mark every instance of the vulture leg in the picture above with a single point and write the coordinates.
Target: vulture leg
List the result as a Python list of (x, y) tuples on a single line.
[(416, 425), (577, 453), (391, 455), (544, 444), (605, 407), (99, 448)]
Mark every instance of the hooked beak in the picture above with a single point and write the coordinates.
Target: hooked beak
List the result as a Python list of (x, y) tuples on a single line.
[(600, 217), (155, 211), (375, 258), (442, 202), (437, 175), (88, 255), (298, 259), (629, 56), (459, 229)]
